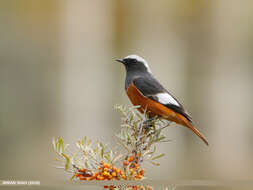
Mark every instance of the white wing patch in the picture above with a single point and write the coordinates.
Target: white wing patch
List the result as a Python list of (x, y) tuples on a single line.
[(165, 98)]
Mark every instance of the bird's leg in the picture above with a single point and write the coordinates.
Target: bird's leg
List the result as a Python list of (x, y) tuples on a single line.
[(148, 121), (143, 129)]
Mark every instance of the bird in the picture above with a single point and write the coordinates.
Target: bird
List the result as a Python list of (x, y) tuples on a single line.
[(145, 91)]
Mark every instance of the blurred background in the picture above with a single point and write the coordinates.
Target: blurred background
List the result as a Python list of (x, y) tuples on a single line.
[(58, 77)]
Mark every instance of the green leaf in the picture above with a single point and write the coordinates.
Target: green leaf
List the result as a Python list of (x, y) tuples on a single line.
[(54, 143), (152, 152), (102, 152), (67, 160), (155, 163), (107, 158), (111, 154), (86, 164), (89, 142), (159, 139), (60, 146), (159, 156)]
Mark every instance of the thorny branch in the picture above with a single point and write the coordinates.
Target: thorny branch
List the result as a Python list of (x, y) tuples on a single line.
[(97, 161)]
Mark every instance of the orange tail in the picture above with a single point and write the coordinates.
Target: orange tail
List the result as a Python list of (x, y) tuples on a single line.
[(188, 124), (196, 131)]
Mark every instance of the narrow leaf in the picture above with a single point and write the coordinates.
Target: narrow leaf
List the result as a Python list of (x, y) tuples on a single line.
[(159, 156), (67, 161), (155, 163)]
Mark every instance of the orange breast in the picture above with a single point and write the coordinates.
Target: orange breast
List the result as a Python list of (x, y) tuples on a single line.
[(152, 107)]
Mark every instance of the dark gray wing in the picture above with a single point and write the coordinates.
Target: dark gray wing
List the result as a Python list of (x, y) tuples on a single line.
[(152, 89)]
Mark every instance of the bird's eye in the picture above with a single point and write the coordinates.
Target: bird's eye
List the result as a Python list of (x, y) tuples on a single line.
[(134, 61)]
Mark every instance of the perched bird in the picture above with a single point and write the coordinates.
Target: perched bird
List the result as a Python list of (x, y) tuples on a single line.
[(144, 90)]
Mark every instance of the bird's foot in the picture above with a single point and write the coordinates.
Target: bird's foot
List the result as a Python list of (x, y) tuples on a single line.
[(147, 123)]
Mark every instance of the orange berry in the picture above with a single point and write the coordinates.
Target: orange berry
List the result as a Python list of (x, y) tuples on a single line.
[(92, 178), (123, 176), (141, 172), (109, 177), (138, 176), (114, 174), (130, 159), (98, 177), (107, 165), (125, 163), (95, 174), (118, 170), (82, 178)]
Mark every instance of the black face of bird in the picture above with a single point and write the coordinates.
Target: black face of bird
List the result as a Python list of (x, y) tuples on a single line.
[(135, 63)]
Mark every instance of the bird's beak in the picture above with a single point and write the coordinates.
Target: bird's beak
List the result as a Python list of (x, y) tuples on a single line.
[(120, 60)]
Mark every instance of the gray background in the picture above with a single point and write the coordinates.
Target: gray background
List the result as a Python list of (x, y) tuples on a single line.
[(58, 77)]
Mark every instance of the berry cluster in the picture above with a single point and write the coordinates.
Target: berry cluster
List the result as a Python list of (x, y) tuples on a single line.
[(131, 162), (106, 171)]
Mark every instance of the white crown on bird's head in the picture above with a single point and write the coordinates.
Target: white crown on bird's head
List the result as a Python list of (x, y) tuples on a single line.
[(139, 59)]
